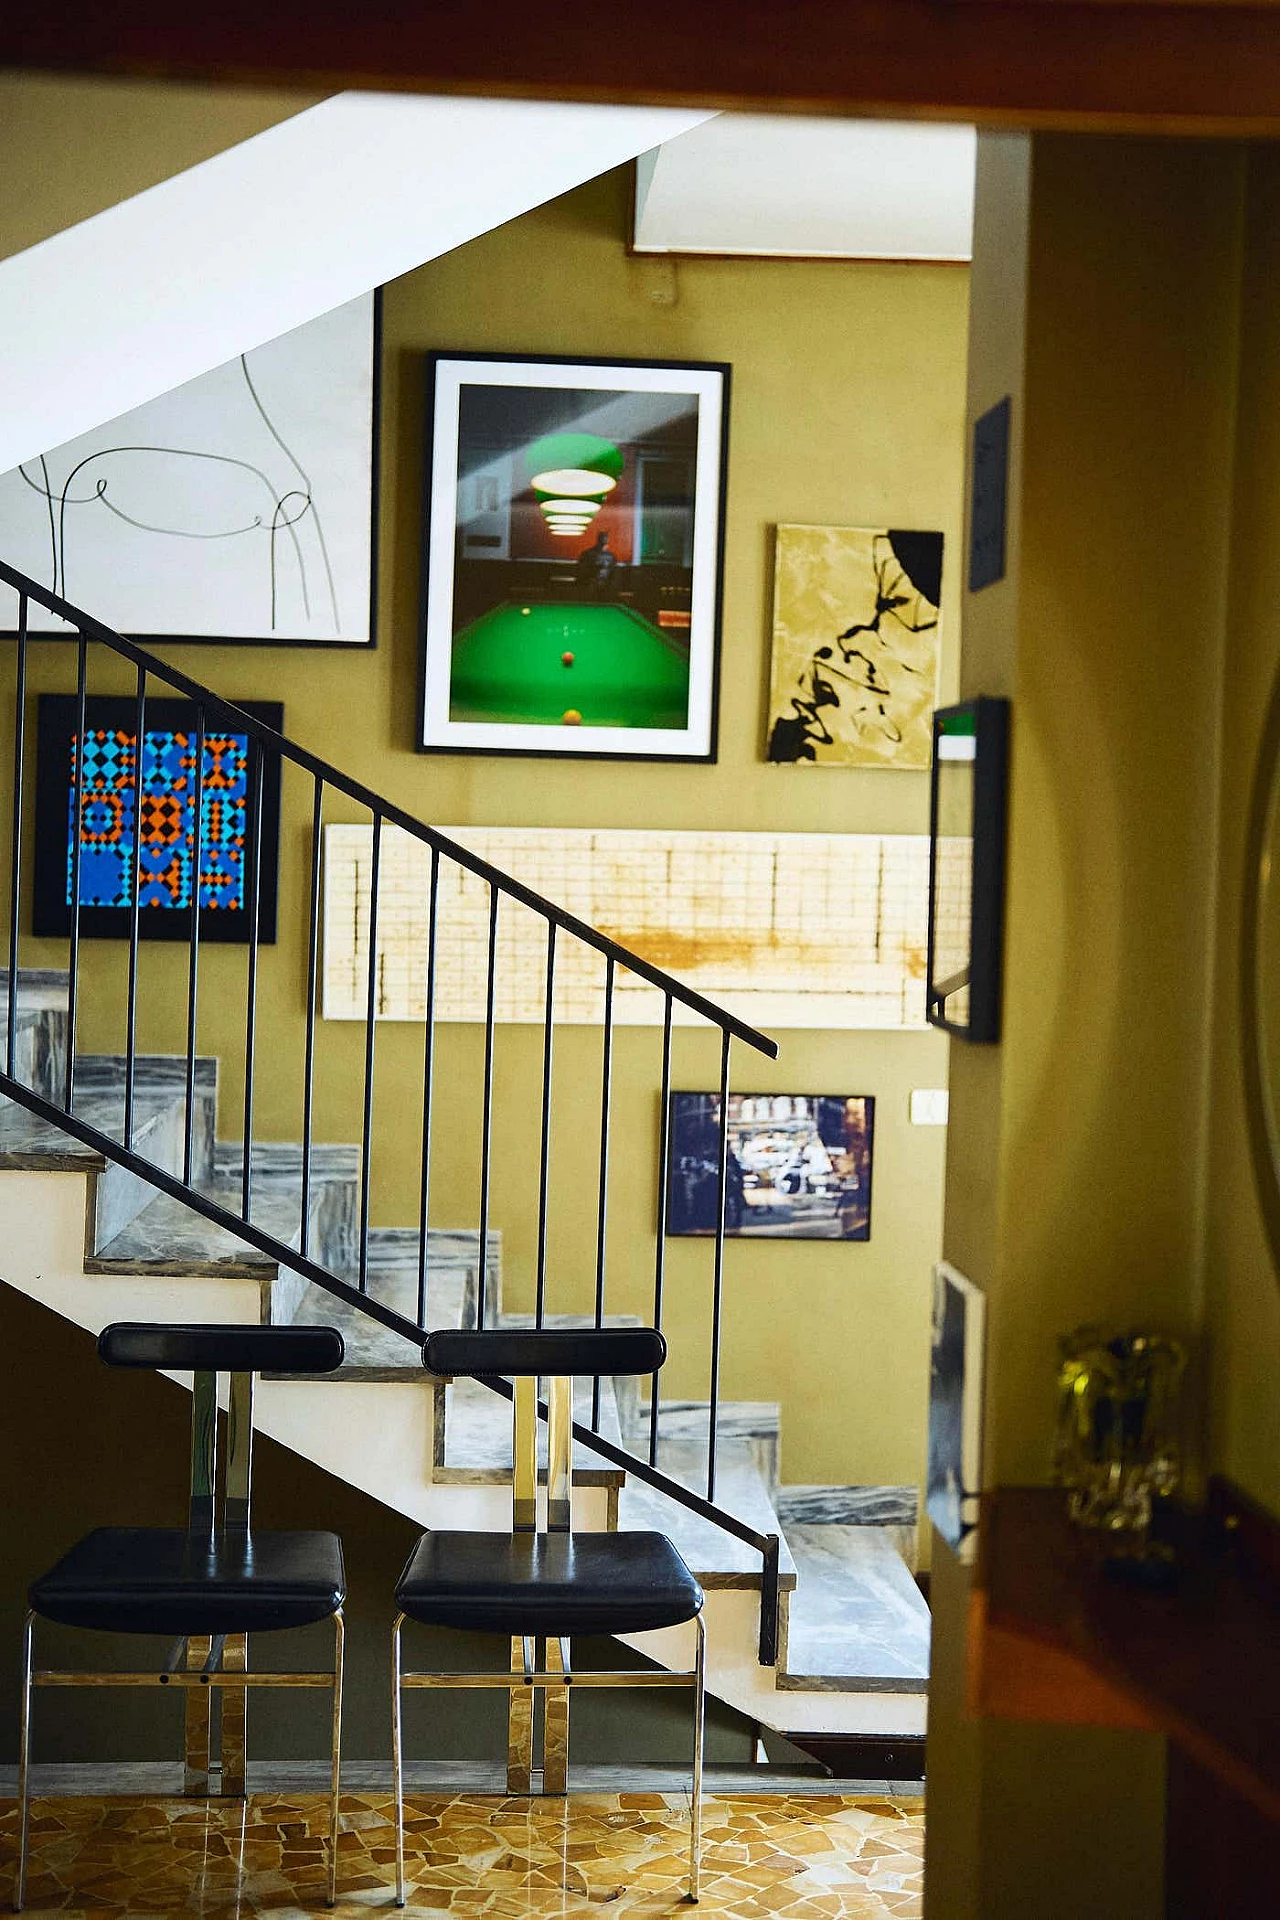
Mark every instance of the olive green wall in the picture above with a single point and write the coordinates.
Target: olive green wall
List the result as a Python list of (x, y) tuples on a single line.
[(1242, 1296), (71, 146), (1109, 636), (847, 409)]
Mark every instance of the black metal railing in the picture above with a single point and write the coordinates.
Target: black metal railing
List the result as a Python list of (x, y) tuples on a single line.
[(264, 746)]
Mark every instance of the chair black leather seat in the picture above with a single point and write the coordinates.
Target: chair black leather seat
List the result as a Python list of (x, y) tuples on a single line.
[(166, 1580), (211, 1583), (548, 1583)]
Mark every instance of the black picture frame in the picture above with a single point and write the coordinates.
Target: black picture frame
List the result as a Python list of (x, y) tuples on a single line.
[(816, 1180), (154, 638), (989, 496), (51, 912), (446, 593), (966, 935)]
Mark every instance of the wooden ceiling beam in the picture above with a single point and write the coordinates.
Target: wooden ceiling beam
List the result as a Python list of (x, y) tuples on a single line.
[(1167, 66)]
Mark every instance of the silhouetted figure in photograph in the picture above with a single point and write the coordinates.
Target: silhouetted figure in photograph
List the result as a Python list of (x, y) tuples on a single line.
[(595, 567)]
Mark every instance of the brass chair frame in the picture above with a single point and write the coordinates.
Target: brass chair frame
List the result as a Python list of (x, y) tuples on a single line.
[(199, 1665), (544, 1664)]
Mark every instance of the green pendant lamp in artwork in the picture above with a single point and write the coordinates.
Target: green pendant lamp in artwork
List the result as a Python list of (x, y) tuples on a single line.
[(572, 474)]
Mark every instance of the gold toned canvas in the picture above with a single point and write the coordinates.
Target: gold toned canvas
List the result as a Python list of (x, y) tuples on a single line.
[(785, 929), (855, 646)]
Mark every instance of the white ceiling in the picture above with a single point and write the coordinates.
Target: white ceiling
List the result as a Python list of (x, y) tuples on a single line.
[(835, 189), (259, 239)]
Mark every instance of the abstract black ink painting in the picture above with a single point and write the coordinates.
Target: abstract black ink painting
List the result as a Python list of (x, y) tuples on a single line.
[(855, 646), (140, 835), (239, 507), (797, 1166)]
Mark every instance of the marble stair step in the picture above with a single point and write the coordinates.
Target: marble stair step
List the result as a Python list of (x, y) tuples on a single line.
[(718, 1558), (894, 1508), (169, 1237), (375, 1352), (37, 987), (477, 1436), (848, 1506), (756, 1423), (857, 1622), (276, 1181), (40, 1029), (159, 1131)]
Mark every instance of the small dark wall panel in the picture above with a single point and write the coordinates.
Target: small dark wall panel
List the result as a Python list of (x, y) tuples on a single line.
[(82, 1445)]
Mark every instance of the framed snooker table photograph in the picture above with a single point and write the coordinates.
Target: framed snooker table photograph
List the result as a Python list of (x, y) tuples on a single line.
[(573, 552)]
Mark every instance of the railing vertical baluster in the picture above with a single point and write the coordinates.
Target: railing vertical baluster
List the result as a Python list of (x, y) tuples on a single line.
[(486, 1135), (15, 875), (660, 1256), (718, 1281), (309, 1054), (193, 957), (135, 904), (254, 850), (370, 1029), (77, 814), (544, 1160), (602, 1203), (428, 1086)]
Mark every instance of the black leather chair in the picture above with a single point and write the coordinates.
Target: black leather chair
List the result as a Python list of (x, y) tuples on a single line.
[(539, 1588), (210, 1583)]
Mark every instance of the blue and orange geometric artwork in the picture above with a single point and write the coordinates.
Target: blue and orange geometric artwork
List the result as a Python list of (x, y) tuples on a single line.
[(148, 838), (108, 855)]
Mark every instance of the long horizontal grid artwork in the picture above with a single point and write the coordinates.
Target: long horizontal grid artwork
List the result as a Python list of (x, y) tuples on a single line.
[(785, 930)]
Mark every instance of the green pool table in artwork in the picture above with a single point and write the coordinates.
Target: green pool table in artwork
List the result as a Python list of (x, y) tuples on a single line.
[(534, 663)]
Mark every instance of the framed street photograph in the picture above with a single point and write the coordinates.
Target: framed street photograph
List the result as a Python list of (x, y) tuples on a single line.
[(798, 1165), (573, 550)]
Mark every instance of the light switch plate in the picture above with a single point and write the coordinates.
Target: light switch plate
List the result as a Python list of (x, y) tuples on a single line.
[(929, 1106)]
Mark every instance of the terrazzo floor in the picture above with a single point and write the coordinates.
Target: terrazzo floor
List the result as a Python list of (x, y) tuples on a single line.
[(805, 1856)]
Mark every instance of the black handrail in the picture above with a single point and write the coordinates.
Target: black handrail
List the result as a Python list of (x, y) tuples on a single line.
[(263, 742), (391, 814)]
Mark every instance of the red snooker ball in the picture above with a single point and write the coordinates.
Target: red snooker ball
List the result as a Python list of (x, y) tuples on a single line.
[(566, 659)]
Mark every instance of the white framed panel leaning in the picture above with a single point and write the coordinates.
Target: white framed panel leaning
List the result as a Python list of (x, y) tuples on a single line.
[(240, 508), (953, 1474), (573, 546)]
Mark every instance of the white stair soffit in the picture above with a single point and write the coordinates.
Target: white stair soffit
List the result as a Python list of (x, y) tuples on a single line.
[(778, 185), (277, 230)]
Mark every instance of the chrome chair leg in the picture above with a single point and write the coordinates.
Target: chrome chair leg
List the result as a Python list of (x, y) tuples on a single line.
[(520, 1720), (197, 1706), (555, 1720), (397, 1757), (699, 1720), (233, 1733), (24, 1766), (339, 1640)]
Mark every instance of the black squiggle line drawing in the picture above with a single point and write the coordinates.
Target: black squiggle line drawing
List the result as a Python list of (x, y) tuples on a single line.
[(797, 734), (293, 459), (65, 498), (287, 509)]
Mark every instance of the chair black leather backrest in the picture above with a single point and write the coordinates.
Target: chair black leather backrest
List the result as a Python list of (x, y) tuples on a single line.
[(516, 1352), (222, 1349)]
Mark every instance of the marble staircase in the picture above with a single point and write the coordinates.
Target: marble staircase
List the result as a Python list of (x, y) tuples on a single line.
[(98, 1243)]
